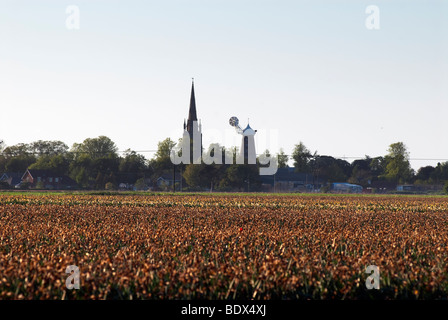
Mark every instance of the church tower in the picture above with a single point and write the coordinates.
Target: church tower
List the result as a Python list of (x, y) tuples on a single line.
[(193, 126)]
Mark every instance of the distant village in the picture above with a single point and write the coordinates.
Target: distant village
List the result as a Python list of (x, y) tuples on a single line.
[(95, 164)]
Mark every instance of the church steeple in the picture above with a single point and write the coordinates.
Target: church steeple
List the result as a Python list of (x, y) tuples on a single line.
[(192, 115), (193, 126)]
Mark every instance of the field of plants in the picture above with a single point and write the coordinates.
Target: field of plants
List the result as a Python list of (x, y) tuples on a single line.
[(222, 246)]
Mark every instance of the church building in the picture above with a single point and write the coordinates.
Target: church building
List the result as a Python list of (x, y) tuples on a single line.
[(193, 126)]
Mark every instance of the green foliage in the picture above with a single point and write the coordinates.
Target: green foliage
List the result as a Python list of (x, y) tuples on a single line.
[(164, 150), (58, 164), (40, 185), (242, 177), (41, 148), (361, 172), (140, 184), (19, 163), (398, 168), (282, 159), (161, 163), (132, 167), (445, 187), (25, 185), (95, 162), (110, 186), (96, 148), (4, 185), (330, 169), (301, 156)]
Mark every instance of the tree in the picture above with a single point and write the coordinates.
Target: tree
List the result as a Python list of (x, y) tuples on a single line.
[(132, 167), (206, 175), (398, 168), (19, 149), (96, 148), (140, 184), (94, 161), (161, 162), (440, 173), (445, 187), (164, 150), (17, 158), (81, 170), (41, 148), (424, 174), (377, 166), (282, 159), (361, 172), (58, 164), (194, 175), (81, 176), (330, 169), (301, 156), (241, 177), (19, 163)]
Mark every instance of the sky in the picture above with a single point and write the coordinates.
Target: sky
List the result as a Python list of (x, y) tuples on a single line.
[(307, 71)]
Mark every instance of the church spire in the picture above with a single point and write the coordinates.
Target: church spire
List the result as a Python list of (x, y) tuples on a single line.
[(192, 112), (192, 115), (194, 128)]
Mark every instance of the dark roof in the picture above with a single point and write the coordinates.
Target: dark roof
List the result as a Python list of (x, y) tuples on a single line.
[(16, 177), (42, 173), (7, 175)]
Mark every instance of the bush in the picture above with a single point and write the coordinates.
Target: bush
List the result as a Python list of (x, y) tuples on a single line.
[(110, 186), (40, 185), (445, 187), (140, 184), (325, 189), (4, 185), (25, 185)]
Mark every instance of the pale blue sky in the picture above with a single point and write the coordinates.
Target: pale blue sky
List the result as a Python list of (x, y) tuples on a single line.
[(309, 70)]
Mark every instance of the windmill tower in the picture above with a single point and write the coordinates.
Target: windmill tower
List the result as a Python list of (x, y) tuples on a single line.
[(247, 151)]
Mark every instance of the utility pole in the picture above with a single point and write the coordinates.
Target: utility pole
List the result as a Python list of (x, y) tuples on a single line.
[(274, 182), (181, 178), (174, 177)]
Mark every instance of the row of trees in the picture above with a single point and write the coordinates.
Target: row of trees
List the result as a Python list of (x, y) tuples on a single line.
[(96, 163), (92, 163), (392, 169)]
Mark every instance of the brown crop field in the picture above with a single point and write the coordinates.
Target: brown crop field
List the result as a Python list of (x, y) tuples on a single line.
[(222, 246)]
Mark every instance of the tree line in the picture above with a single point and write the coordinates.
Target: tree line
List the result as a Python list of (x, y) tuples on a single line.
[(388, 171), (96, 164)]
